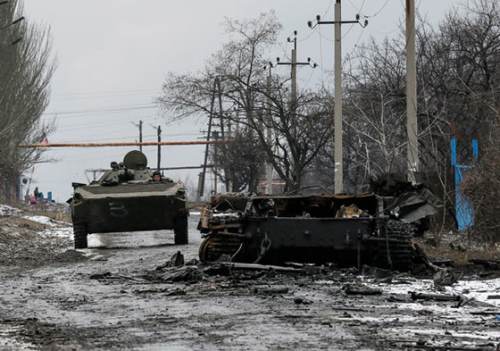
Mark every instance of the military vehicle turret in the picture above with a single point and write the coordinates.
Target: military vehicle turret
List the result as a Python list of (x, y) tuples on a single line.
[(129, 197)]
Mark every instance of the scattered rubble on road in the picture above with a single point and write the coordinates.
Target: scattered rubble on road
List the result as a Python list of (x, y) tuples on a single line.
[(163, 297), (403, 312)]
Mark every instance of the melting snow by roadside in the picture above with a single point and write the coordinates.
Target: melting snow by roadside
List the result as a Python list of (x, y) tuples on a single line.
[(60, 231), (41, 219), (6, 210)]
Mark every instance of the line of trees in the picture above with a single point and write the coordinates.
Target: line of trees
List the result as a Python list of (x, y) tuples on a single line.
[(25, 71), (458, 95)]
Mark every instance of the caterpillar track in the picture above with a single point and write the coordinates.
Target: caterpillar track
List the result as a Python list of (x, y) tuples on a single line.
[(216, 245), (395, 249)]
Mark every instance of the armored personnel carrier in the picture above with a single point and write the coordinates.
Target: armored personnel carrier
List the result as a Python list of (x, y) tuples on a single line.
[(129, 197)]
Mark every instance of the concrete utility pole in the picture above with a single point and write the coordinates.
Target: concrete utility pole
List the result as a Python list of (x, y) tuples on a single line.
[(269, 136), (337, 116), (338, 126), (294, 64), (411, 93), (223, 135), (294, 70)]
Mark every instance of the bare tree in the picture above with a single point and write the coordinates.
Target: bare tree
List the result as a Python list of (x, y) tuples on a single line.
[(239, 68), (25, 72), (457, 84)]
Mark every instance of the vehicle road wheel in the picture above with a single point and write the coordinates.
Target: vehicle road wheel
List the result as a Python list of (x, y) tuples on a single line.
[(181, 230), (80, 236)]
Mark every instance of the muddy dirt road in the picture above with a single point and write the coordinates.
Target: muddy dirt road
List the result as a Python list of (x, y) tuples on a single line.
[(106, 298)]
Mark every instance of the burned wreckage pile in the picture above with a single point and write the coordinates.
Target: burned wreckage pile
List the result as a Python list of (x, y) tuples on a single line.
[(369, 229)]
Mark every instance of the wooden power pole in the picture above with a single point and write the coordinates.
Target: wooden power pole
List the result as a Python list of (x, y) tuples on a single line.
[(139, 125), (159, 149), (140, 134), (201, 182)]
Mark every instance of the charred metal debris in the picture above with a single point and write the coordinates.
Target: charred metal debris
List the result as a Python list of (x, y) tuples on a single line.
[(367, 229)]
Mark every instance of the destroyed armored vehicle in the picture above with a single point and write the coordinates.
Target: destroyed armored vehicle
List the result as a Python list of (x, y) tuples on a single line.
[(348, 230), (129, 197)]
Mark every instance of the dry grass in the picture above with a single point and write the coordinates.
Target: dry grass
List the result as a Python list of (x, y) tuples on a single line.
[(459, 248)]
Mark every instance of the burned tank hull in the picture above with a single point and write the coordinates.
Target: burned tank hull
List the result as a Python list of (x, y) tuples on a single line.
[(345, 241), (347, 230), (127, 200)]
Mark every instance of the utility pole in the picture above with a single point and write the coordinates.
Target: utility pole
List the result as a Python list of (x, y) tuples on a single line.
[(338, 125), (140, 134), (411, 93), (159, 149), (201, 183), (294, 71), (293, 64), (227, 183), (216, 138), (337, 116), (139, 125), (269, 132)]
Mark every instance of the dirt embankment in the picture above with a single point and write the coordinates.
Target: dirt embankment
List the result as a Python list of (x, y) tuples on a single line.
[(29, 239)]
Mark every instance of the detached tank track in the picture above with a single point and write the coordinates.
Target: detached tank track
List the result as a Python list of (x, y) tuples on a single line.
[(215, 245), (397, 245)]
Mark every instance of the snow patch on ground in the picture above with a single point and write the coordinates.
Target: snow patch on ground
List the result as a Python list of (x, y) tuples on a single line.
[(41, 219), (60, 232), (479, 289), (6, 210)]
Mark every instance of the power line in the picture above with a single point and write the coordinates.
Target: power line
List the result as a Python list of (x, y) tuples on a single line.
[(379, 10), (108, 92), (324, 14), (110, 110), (360, 9), (89, 124)]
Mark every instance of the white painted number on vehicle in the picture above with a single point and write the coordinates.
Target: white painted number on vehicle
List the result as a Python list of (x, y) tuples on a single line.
[(117, 209)]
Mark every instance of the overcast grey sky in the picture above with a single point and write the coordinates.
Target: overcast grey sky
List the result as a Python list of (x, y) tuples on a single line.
[(114, 55)]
